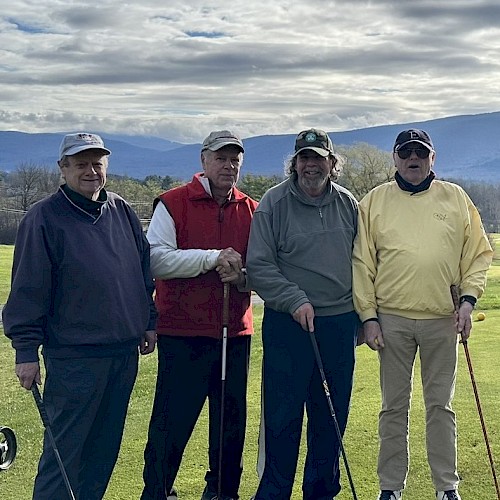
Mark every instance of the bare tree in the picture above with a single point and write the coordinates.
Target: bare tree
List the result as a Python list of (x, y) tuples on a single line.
[(486, 197), (30, 183), (366, 167)]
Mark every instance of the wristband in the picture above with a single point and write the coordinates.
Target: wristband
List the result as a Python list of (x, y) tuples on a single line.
[(468, 298)]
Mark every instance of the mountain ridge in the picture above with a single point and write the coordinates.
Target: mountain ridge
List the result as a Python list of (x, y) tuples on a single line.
[(467, 147)]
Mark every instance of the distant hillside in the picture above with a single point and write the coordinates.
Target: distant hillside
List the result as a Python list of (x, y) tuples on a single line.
[(467, 147)]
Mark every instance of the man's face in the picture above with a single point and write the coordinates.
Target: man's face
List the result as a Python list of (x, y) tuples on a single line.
[(414, 169), (85, 172), (222, 167), (313, 171)]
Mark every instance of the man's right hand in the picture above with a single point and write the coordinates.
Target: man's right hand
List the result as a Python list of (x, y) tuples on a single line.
[(373, 335), (230, 258), (27, 373), (305, 316)]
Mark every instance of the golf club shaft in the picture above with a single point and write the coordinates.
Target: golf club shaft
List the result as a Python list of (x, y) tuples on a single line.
[(324, 382), (225, 321), (481, 418), (455, 296), (45, 419)]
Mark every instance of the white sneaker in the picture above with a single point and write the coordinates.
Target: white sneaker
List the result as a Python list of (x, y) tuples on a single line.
[(390, 495), (448, 495)]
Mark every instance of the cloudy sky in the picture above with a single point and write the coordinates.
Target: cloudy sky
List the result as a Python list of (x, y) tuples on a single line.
[(178, 69)]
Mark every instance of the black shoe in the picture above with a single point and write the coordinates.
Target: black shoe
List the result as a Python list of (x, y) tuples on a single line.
[(389, 495), (212, 495), (208, 495), (447, 495)]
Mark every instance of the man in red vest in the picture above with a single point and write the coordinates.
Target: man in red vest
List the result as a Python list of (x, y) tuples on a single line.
[(198, 236)]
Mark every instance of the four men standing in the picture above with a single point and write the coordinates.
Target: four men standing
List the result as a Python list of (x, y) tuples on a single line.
[(417, 236)]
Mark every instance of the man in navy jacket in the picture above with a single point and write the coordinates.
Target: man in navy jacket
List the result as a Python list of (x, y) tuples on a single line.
[(81, 289)]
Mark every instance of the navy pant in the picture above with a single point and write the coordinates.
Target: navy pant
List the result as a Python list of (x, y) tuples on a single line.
[(291, 381), (86, 401), (189, 371)]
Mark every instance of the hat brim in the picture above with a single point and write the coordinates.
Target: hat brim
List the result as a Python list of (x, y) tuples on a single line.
[(428, 146), (322, 152), (219, 145), (78, 149)]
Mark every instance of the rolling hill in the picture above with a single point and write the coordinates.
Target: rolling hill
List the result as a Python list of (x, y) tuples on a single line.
[(468, 147)]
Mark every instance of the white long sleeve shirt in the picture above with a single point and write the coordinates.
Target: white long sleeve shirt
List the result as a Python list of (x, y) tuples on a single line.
[(168, 261)]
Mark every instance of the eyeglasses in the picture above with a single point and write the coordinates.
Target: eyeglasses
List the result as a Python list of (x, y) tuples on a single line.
[(405, 153)]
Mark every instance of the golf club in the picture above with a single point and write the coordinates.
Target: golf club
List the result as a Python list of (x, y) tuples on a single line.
[(456, 302), (225, 321), (319, 362), (8, 447), (45, 419)]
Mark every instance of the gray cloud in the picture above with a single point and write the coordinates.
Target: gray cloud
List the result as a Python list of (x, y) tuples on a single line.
[(178, 70)]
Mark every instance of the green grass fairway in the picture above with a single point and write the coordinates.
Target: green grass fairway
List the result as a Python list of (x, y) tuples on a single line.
[(6, 254), (18, 411)]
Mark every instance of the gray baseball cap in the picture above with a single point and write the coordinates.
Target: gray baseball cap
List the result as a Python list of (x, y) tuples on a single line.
[(220, 138), (76, 143)]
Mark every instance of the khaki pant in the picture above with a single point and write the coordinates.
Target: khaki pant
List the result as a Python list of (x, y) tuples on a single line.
[(437, 343)]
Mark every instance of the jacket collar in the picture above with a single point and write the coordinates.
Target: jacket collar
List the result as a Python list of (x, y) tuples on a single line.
[(199, 189)]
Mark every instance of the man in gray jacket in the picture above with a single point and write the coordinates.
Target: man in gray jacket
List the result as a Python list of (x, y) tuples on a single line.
[(299, 261)]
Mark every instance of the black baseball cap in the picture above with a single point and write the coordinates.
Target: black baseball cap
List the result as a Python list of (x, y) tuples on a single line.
[(413, 135), (314, 139)]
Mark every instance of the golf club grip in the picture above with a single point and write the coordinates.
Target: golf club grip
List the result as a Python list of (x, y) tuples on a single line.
[(40, 405), (455, 295), (225, 305)]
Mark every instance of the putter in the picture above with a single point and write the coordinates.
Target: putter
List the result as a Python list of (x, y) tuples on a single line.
[(8, 447), (456, 302), (225, 321), (319, 363), (45, 419)]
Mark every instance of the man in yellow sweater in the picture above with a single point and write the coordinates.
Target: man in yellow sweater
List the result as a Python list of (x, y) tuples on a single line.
[(417, 236)]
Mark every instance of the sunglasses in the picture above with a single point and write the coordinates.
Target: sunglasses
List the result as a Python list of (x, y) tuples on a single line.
[(405, 153)]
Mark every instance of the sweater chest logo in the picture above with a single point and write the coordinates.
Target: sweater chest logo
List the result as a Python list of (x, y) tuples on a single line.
[(441, 217)]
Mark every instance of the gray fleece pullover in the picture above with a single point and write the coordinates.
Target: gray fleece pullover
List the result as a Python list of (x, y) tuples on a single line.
[(300, 249)]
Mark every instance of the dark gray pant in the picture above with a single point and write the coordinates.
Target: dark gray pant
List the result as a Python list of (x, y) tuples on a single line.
[(189, 371), (86, 401)]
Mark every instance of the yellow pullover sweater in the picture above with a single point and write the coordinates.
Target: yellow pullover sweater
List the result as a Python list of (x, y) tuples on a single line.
[(410, 248)]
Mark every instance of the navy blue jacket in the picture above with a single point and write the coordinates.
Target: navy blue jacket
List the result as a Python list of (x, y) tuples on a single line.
[(81, 285)]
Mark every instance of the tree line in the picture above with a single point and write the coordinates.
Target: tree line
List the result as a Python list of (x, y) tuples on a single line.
[(366, 167)]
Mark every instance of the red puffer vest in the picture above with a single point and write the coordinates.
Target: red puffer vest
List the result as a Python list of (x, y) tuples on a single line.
[(193, 306)]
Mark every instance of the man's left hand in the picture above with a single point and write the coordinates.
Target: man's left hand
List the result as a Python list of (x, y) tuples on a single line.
[(148, 342), (231, 275)]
